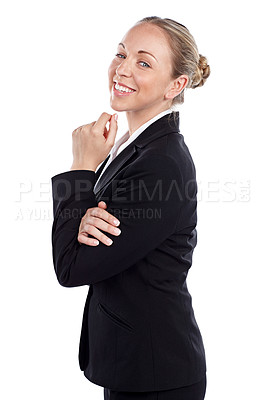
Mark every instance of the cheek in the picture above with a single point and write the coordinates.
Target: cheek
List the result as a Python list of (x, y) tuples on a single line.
[(159, 83), (146, 83), (112, 69)]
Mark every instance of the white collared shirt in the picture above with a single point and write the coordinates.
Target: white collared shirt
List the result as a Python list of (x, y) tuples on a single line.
[(126, 139)]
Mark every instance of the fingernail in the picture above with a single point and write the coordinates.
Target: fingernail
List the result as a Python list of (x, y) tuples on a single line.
[(116, 222), (116, 116)]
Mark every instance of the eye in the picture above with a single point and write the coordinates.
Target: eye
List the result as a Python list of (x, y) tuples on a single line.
[(119, 55), (145, 64)]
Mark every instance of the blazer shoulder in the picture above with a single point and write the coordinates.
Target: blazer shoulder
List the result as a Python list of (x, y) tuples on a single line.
[(171, 147), (154, 167)]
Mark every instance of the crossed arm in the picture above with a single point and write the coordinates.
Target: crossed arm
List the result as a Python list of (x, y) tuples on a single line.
[(147, 202)]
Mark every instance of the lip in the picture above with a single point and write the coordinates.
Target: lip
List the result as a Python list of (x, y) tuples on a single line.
[(120, 94)]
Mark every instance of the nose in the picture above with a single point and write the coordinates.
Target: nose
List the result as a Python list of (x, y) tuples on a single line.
[(124, 68)]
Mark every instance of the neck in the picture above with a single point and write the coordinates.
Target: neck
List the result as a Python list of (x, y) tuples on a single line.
[(137, 118)]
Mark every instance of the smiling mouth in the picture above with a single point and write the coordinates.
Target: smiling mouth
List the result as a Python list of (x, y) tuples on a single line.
[(123, 89)]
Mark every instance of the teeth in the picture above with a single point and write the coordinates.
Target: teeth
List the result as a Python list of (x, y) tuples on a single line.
[(123, 88)]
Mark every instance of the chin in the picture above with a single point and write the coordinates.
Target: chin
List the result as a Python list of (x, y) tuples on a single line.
[(117, 107)]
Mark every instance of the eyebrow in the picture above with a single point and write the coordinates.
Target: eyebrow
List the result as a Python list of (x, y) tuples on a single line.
[(140, 51)]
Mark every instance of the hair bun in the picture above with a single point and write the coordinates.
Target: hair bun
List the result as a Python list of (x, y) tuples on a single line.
[(202, 73)]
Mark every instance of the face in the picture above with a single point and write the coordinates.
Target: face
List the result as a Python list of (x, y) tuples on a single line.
[(142, 70)]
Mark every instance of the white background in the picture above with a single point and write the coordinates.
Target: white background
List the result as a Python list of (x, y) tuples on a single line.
[(54, 61)]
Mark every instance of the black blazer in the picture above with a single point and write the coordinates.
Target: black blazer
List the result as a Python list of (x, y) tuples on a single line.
[(138, 332)]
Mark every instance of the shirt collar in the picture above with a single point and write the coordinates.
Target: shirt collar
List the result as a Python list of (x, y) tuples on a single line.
[(126, 139)]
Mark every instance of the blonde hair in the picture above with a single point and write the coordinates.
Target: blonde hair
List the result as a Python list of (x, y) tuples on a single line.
[(185, 55)]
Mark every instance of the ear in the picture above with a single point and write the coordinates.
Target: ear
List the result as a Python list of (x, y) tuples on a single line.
[(176, 87)]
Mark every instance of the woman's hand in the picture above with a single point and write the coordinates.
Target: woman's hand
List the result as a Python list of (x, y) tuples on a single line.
[(92, 143), (94, 218)]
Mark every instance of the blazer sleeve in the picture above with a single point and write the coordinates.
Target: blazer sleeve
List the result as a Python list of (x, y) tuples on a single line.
[(147, 201)]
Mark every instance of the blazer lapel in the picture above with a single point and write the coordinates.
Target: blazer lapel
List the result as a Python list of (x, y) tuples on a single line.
[(114, 166), (163, 126), (99, 171)]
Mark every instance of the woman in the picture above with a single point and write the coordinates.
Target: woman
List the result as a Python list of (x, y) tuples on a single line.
[(139, 336)]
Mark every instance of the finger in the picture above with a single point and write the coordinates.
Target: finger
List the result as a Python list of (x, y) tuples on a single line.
[(112, 129), (102, 204), (78, 129), (102, 121), (105, 215), (93, 231), (82, 239), (93, 223)]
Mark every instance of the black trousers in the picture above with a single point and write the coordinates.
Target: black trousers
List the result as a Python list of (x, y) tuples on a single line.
[(191, 392)]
